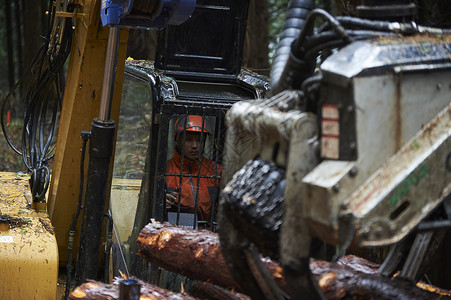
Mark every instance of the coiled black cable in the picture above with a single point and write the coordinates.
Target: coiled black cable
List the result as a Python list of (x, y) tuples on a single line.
[(42, 103)]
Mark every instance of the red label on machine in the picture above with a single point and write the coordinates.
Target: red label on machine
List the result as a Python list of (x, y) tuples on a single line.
[(330, 112), (330, 131)]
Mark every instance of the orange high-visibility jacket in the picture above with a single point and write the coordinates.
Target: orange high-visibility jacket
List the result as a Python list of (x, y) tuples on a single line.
[(208, 187)]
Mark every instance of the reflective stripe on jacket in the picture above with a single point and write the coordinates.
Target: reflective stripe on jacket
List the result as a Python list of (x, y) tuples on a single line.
[(208, 187)]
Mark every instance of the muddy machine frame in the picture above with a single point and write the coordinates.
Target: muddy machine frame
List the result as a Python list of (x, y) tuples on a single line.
[(187, 78), (359, 149), (190, 76)]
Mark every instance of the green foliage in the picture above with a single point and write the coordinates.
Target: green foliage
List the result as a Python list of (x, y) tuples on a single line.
[(276, 12)]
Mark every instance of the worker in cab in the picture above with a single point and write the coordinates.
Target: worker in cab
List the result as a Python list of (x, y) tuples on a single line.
[(191, 178)]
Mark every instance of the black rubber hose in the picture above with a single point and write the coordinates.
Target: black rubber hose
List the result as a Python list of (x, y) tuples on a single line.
[(42, 96), (85, 135), (403, 28), (299, 67), (108, 244), (100, 151), (294, 21), (327, 36)]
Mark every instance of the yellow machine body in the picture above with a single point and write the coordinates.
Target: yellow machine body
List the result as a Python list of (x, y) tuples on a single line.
[(80, 106), (28, 248), (34, 240)]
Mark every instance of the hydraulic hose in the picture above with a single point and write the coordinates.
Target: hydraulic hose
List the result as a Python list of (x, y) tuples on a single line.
[(100, 151), (42, 100), (294, 21), (108, 245), (85, 135), (394, 27)]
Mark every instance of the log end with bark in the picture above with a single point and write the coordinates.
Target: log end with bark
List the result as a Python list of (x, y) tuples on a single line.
[(93, 290), (197, 254), (194, 254)]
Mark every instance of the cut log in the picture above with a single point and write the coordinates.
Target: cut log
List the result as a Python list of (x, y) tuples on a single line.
[(341, 282), (359, 264), (93, 290), (197, 254), (205, 290), (365, 266), (192, 253)]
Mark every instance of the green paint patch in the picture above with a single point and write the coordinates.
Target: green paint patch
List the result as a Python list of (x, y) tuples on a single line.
[(415, 145), (412, 180)]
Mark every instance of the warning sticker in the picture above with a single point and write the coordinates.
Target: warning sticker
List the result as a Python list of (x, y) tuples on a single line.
[(330, 147), (330, 112), (6, 239), (330, 131), (330, 127)]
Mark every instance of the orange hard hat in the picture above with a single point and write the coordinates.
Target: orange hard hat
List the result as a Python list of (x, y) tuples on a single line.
[(193, 124)]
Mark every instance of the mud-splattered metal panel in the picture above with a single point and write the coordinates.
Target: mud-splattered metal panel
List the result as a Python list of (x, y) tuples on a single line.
[(28, 249), (407, 188)]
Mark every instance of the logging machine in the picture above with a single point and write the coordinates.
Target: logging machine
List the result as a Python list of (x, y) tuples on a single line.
[(351, 147)]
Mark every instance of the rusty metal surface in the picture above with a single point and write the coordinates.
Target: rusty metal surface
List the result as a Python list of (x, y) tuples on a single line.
[(391, 101), (407, 188), (380, 55)]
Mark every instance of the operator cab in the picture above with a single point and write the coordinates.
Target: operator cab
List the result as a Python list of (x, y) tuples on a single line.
[(197, 71)]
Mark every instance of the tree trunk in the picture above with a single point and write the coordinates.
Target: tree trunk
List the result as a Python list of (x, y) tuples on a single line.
[(339, 281), (32, 30), (434, 13), (9, 43), (17, 12), (197, 254), (142, 44), (256, 44), (93, 290), (194, 254), (205, 290), (347, 7)]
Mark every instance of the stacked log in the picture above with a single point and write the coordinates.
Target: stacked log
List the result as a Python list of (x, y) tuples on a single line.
[(197, 254), (93, 290), (192, 253)]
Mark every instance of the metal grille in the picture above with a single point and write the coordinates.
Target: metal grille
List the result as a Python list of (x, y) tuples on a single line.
[(194, 181)]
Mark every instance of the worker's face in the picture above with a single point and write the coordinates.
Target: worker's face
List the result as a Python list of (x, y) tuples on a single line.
[(193, 145)]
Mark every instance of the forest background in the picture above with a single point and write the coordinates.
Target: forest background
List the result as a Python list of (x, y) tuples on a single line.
[(23, 24)]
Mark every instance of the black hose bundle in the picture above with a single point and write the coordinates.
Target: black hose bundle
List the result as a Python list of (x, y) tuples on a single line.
[(42, 103), (300, 44), (284, 61), (300, 49)]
